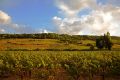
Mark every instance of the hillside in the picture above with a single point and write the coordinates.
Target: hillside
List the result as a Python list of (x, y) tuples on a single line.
[(50, 42)]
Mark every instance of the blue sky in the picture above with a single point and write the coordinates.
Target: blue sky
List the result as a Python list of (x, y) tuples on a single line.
[(34, 13), (61, 16)]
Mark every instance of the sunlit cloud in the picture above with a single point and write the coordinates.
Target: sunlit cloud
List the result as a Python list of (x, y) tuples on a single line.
[(101, 18)]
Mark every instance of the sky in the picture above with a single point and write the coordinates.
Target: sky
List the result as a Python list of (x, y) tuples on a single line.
[(74, 17)]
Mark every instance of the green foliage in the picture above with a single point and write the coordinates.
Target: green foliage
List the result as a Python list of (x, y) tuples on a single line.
[(108, 41), (104, 41), (75, 63), (100, 43)]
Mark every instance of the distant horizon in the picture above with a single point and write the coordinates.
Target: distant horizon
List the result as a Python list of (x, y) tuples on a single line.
[(58, 34), (73, 17)]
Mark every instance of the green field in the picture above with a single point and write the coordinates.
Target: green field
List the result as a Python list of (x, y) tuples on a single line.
[(59, 65), (48, 44), (40, 44), (57, 57)]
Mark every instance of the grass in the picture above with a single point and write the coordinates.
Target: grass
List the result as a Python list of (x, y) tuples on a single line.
[(32, 44), (46, 44)]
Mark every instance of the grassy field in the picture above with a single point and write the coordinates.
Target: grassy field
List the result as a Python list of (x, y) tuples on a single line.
[(48, 44), (34, 44)]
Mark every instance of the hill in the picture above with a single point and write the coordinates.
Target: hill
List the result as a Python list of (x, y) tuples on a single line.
[(57, 57)]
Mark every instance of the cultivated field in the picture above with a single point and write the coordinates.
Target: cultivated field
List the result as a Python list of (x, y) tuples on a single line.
[(57, 59), (60, 65)]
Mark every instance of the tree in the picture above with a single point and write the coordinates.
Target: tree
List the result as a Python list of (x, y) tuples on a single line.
[(100, 43), (107, 41), (104, 41)]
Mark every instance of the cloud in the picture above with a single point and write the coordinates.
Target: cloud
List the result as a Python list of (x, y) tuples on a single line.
[(67, 25), (114, 2), (43, 31), (2, 31), (100, 19), (8, 26), (4, 18), (72, 7)]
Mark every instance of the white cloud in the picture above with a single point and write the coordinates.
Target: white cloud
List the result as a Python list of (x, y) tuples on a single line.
[(114, 2), (43, 31), (8, 26), (101, 19), (4, 18), (67, 25), (72, 7), (2, 31)]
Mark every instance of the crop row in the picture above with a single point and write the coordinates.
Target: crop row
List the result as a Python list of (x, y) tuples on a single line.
[(44, 64)]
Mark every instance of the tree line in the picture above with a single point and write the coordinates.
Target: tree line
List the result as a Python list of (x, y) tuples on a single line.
[(47, 36)]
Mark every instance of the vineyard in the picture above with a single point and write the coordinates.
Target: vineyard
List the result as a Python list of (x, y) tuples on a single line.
[(59, 65), (59, 39), (57, 57)]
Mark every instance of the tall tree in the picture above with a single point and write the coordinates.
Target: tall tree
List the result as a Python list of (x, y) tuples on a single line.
[(104, 41), (108, 41)]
